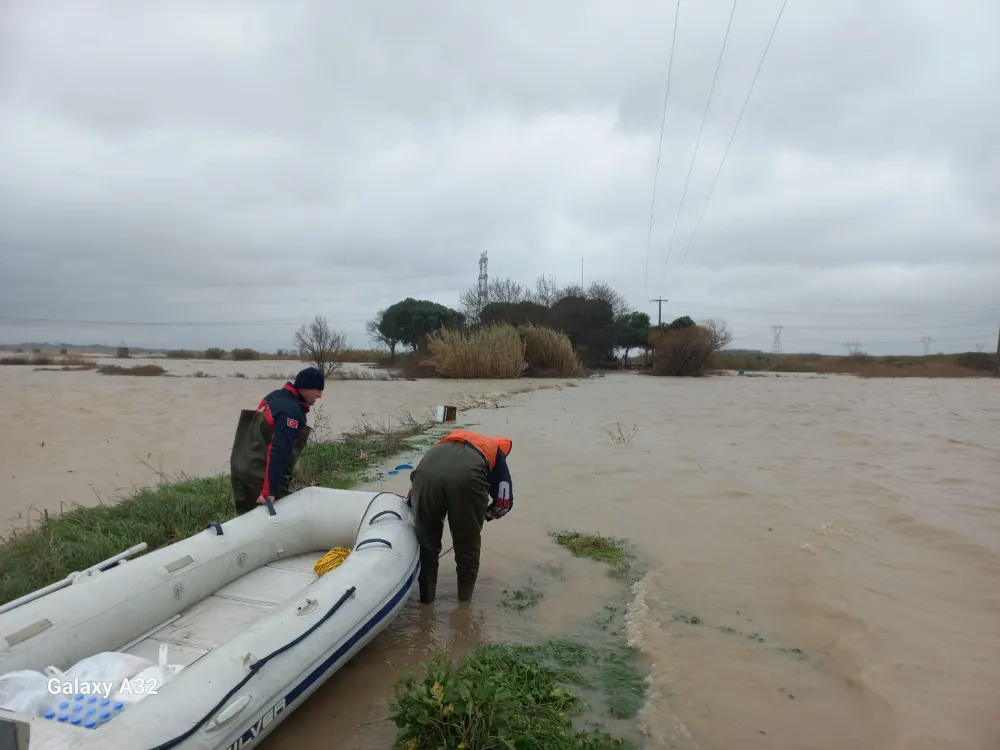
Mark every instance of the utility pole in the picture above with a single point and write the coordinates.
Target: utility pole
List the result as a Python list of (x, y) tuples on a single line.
[(776, 348), (926, 341), (659, 310)]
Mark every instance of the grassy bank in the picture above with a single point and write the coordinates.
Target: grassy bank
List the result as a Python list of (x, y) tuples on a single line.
[(59, 544), (560, 693), (966, 365)]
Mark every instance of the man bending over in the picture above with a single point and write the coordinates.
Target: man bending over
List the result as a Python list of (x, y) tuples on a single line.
[(464, 476)]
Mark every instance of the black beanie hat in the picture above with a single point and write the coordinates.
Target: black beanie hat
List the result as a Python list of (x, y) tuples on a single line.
[(309, 378)]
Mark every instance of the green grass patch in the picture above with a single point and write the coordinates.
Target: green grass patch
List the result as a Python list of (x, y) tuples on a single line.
[(614, 552), (521, 599), (80, 537), (579, 692), (500, 697)]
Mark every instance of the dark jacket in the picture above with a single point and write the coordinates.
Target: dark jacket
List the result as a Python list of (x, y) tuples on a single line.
[(500, 482), (269, 440)]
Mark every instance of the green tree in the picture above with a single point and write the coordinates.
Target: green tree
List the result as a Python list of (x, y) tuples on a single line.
[(633, 332), (411, 321)]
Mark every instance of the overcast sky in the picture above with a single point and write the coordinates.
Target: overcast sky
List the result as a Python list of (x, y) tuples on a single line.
[(244, 165)]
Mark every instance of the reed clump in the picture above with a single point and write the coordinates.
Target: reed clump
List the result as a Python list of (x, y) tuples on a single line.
[(502, 351)]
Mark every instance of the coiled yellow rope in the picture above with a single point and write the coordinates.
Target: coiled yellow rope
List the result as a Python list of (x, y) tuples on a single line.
[(331, 560)]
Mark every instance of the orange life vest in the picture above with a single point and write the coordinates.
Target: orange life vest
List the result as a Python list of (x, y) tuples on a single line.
[(488, 446)]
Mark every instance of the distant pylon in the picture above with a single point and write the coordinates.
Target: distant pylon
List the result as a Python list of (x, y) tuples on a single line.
[(776, 348), (980, 347), (926, 341), (483, 278), (853, 347)]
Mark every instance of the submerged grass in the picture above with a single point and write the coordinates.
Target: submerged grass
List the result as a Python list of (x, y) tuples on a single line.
[(59, 544), (614, 552), (499, 697), (563, 693)]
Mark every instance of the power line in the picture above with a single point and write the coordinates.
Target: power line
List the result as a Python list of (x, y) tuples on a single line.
[(886, 342), (697, 143), (173, 324), (850, 326), (659, 150), (838, 313), (231, 283), (731, 138)]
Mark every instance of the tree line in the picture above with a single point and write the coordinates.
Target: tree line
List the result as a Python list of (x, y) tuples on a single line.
[(598, 321)]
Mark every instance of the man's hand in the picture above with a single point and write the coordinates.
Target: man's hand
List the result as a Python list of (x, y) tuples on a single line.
[(262, 500)]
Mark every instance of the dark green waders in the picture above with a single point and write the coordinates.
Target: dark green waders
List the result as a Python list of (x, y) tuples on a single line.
[(450, 480), (249, 459)]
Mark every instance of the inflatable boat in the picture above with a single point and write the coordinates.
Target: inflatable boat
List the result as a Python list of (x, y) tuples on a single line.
[(248, 627)]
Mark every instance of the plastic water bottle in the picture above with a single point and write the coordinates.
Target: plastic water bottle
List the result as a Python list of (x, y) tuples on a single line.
[(90, 724), (50, 714), (105, 717), (63, 718), (76, 721), (64, 706)]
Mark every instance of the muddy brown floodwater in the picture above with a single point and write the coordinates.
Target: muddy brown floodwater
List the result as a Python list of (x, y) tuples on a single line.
[(823, 559)]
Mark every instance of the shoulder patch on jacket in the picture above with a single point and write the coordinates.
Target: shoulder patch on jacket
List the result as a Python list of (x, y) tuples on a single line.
[(293, 423)]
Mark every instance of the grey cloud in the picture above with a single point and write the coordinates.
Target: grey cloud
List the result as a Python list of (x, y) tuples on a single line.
[(259, 161)]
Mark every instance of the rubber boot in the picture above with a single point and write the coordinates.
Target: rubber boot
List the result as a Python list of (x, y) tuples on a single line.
[(465, 589), (428, 588)]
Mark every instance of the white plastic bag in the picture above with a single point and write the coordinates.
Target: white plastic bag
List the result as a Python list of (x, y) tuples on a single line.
[(151, 679), (25, 692), (108, 666)]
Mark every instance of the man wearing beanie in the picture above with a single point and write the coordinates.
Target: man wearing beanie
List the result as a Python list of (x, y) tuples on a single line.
[(269, 440)]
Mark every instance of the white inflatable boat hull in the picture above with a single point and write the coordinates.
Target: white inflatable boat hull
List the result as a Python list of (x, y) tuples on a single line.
[(238, 605)]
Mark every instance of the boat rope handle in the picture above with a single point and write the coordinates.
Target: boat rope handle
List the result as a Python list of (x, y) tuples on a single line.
[(382, 513), (254, 668), (359, 545), (270, 507), (216, 525)]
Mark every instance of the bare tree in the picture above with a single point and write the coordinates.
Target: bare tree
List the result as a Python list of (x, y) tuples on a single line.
[(547, 291), (320, 345), (499, 290), (573, 290), (688, 351), (372, 328), (720, 337), (601, 290)]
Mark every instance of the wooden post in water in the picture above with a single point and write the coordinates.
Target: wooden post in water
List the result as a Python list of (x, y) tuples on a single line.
[(997, 373)]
